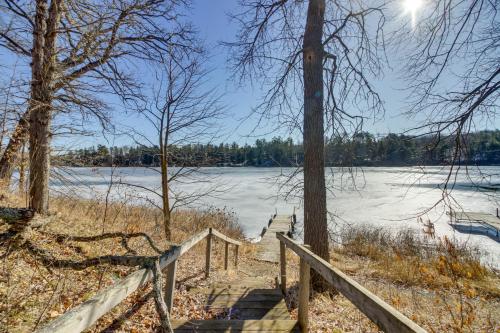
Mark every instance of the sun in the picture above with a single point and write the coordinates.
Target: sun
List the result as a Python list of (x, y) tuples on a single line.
[(411, 7)]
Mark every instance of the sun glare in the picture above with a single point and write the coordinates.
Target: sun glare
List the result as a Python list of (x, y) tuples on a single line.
[(411, 7)]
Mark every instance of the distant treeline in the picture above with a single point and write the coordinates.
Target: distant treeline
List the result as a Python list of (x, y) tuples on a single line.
[(364, 149)]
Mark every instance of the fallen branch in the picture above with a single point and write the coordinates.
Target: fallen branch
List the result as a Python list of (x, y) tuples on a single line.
[(161, 307)]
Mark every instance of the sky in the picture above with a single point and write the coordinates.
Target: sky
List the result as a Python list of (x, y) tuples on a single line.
[(210, 17), (211, 20)]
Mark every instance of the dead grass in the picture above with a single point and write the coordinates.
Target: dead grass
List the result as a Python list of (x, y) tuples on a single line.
[(443, 288), (32, 294), (411, 259)]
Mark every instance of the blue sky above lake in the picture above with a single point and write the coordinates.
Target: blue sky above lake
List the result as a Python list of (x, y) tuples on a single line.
[(211, 20)]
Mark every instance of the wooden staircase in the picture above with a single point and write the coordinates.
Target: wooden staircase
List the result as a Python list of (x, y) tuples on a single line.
[(248, 304), (250, 307)]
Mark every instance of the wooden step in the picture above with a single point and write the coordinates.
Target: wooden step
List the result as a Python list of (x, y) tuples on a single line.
[(241, 286), (248, 297), (235, 291), (235, 326), (242, 304), (274, 313)]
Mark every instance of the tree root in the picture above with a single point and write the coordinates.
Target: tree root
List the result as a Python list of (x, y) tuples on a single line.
[(49, 260), (21, 221), (124, 236)]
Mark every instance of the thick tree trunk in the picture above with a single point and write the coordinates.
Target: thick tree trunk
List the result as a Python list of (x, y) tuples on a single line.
[(315, 215), (11, 153), (40, 159), (43, 68)]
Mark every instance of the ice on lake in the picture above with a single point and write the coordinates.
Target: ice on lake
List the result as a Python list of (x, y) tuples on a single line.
[(391, 197)]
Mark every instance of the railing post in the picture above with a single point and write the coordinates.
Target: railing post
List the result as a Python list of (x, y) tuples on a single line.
[(208, 253), (304, 284), (226, 255), (236, 255), (283, 266), (170, 285)]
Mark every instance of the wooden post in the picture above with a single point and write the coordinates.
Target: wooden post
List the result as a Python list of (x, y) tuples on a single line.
[(208, 253), (236, 255), (170, 285), (283, 267), (226, 256), (304, 283)]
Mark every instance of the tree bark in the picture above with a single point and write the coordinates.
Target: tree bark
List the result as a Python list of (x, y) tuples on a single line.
[(11, 152), (315, 214), (166, 203), (164, 187), (43, 68), (22, 172)]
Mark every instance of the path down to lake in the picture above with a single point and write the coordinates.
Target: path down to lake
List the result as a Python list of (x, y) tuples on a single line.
[(268, 249), (257, 307)]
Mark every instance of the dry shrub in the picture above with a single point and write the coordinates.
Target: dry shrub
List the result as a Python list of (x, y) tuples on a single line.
[(32, 294), (460, 283), (407, 257), (440, 283)]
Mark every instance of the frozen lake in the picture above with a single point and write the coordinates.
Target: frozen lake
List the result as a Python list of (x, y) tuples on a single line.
[(383, 196)]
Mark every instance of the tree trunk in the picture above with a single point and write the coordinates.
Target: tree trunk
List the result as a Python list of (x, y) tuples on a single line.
[(22, 172), (40, 159), (11, 152), (164, 187), (315, 215), (43, 68)]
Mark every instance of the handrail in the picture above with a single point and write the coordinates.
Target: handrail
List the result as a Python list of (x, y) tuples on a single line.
[(87, 313), (225, 238), (385, 316)]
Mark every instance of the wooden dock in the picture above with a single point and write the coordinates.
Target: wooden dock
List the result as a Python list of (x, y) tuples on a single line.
[(488, 220), (268, 249)]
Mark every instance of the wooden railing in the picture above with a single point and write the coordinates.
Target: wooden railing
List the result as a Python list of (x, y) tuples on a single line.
[(385, 316), (87, 313)]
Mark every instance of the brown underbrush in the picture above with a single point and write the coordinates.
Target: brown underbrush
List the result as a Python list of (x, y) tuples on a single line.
[(438, 283), (32, 291)]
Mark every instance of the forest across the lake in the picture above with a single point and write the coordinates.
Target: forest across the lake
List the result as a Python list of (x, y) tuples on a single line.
[(363, 149)]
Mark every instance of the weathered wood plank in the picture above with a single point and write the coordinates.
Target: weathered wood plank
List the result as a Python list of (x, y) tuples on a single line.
[(274, 313), (226, 255), (245, 297), (283, 267), (490, 220), (268, 247), (208, 254), (381, 313), (234, 291), (225, 238), (170, 285), (243, 304), (236, 250), (304, 282), (235, 325)]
